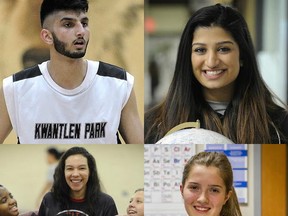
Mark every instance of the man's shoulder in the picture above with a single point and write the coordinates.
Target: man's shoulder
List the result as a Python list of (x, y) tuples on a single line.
[(109, 70), (27, 73)]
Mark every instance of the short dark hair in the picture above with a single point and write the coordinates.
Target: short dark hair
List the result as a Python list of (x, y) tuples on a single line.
[(60, 188), (50, 6), (53, 151), (35, 55)]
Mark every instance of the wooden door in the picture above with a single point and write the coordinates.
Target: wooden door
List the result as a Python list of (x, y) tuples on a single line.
[(274, 180)]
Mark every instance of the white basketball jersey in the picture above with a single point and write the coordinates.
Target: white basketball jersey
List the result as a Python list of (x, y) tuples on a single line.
[(43, 112)]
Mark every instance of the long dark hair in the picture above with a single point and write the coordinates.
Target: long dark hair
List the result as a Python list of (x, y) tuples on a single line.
[(221, 162), (60, 188), (248, 117)]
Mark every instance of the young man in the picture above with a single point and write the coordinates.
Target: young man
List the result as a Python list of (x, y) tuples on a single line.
[(69, 99)]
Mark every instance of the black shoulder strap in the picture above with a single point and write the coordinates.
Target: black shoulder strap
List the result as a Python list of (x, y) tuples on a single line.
[(109, 70), (27, 73)]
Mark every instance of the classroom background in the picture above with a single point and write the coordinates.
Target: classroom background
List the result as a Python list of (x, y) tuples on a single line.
[(259, 170)]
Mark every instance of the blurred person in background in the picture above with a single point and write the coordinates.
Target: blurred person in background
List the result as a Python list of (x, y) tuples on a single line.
[(136, 204), (53, 156), (34, 56)]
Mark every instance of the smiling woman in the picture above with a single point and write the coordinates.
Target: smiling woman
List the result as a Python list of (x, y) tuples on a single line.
[(76, 188), (217, 81), (215, 62), (77, 175)]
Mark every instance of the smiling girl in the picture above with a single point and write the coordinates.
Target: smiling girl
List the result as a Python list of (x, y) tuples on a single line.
[(207, 186), (8, 205)]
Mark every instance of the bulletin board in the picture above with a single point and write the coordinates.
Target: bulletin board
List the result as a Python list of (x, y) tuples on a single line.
[(238, 157), (163, 167)]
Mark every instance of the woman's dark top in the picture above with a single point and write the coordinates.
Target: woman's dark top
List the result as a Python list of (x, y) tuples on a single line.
[(104, 207)]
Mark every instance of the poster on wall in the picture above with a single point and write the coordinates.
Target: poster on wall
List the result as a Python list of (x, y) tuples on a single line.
[(238, 157), (163, 167)]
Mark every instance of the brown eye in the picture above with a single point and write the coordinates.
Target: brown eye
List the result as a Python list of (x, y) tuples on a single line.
[(214, 190), (68, 25), (194, 187), (200, 50), (84, 24), (4, 200), (224, 49)]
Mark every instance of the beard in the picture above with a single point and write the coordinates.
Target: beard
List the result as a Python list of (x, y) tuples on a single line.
[(60, 47)]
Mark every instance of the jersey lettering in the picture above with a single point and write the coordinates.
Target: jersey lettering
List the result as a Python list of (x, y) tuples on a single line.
[(95, 130), (69, 131)]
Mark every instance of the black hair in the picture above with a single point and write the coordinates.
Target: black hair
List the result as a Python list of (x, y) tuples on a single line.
[(60, 188), (53, 151), (50, 6)]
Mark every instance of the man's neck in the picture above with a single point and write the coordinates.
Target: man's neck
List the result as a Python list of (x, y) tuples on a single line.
[(67, 72)]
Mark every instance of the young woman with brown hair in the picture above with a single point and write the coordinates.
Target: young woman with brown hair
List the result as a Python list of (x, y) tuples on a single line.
[(207, 186)]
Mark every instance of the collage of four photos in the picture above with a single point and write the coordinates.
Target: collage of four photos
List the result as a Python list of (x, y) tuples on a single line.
[(188, 97)]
